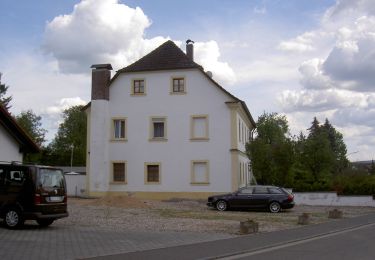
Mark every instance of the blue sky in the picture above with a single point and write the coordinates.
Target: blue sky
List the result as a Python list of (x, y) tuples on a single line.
[(300, 58)]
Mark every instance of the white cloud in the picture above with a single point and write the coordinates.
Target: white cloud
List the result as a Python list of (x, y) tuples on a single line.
[(64, 104), (338, 76), (301, 43), (207, 54), (313, 76), (97, 31), (322, 100), (37, 84), (107, 31)]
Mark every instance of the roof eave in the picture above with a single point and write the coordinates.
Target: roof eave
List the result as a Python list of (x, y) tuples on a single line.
[(11, 125)]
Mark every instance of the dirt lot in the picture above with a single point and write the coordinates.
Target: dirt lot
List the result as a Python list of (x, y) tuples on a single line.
[(127, 213)]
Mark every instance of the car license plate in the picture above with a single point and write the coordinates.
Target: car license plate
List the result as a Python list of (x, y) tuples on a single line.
[(56, 198)]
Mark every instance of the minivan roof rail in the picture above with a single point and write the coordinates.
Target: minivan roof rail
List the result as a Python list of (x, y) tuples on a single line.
[(8, 162)]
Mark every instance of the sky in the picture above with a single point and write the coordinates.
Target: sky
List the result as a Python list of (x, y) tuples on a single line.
[(299, 58)]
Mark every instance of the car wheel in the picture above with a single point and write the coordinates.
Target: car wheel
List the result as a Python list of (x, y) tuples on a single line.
[(13, 218), (44, 222), (221, 205), (274, 207)]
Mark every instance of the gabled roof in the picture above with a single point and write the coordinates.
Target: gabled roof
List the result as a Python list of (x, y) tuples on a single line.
[(167, 56), (12, 127)]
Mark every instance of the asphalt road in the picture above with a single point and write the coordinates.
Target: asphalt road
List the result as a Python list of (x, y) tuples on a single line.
[(351, 238), (352, 244)]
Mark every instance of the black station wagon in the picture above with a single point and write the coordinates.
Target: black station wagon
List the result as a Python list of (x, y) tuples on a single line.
[(254, 197), (31, 192)]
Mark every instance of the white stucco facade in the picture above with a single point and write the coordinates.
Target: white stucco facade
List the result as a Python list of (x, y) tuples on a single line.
[(223, 151), (162, 128), (9, 147)]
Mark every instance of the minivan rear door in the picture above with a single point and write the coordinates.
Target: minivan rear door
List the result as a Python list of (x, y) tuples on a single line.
[(51, 184)]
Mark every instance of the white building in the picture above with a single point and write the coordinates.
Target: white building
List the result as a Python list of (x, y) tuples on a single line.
[(163, 128), (14, 142)]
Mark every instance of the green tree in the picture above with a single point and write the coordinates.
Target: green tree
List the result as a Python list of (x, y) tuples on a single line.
[(338, 147), (4, 101), (271, 152), (317, 156), (70, 137), (32, 124), (372, 169)]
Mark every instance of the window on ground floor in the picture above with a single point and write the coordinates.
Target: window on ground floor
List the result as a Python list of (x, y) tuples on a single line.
[(119, 172), (152, 173)]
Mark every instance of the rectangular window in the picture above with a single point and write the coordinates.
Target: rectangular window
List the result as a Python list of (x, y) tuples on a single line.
[(199, 172), (178, 85), (119, 128), (138, 87), (119, 172), (199, 127), (158, 131), (152, 173)]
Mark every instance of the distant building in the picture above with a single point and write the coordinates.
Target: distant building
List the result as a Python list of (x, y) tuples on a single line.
[(162, 128), (365, 166), (14, 141)]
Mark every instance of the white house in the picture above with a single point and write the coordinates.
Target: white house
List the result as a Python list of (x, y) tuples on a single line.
[(14, 142), (163, 128)]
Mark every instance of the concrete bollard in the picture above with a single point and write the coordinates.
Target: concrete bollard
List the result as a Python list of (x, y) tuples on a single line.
[(335, 214), (304, 219), (249, 226)]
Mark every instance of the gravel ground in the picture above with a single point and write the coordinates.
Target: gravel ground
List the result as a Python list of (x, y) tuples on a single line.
[(127, 213)]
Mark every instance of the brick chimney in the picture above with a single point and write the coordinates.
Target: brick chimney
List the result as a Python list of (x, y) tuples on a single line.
[(190, 49), (101, 76)]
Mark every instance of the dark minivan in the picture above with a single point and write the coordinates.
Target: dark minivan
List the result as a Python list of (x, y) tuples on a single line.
[(31, 192)]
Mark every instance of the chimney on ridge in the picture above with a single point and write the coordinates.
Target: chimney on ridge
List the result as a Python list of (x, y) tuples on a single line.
[(101, 76), (190, 49)]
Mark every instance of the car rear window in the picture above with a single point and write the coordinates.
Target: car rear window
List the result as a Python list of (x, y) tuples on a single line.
[(275, 191), (51, 178), (260, 190)]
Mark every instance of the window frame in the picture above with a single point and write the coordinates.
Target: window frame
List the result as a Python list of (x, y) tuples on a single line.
[(146, 182), (172, 89), (113, 137), (133, 92), (158, 119), (193, 137), (193, 180), (112, 172)]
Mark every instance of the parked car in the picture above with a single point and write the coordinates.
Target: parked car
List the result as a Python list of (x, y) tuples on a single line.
[(31, 192), (254, 197)]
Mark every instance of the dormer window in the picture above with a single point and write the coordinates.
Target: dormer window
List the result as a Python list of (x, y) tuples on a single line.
[(178, 85), (138, 87)]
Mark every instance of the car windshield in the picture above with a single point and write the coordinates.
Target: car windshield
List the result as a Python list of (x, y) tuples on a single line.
[(51, 178)]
